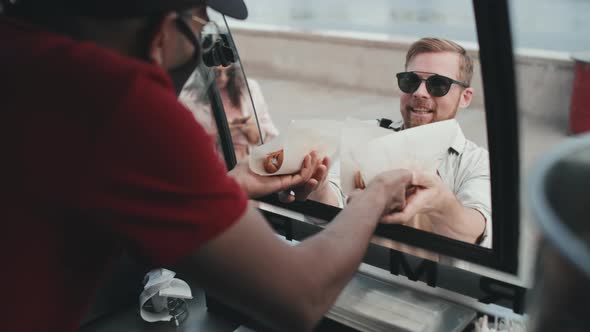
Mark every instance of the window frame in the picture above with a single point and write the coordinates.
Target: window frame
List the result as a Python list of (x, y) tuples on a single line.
[(499, 85)]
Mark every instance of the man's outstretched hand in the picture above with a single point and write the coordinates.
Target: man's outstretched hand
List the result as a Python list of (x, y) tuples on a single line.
[(427, 195), (312, 172), (396, 187)]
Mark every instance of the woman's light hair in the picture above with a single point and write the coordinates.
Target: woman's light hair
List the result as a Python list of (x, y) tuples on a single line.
[(436, 45)]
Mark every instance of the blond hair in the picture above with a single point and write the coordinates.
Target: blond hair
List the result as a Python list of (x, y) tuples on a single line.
[(436, 45)]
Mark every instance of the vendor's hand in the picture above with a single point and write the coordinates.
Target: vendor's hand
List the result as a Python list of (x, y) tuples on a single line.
[(393, 184), (316, 182), (426, 195), (396, 184), (256, 185)]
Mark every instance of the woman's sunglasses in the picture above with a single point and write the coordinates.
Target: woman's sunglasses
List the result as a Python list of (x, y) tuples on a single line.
[(436, 85)]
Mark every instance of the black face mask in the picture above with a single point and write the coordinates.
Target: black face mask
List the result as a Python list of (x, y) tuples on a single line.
[(181, 74)]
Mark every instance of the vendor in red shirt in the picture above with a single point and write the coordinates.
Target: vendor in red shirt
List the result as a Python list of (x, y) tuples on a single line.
[(99, 157)]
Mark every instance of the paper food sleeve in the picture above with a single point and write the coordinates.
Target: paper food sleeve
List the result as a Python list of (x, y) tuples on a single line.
[(301, 138), (421, 148), (355, 135)]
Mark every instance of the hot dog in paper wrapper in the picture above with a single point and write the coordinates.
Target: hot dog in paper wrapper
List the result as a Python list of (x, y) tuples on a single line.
[(285, 154)]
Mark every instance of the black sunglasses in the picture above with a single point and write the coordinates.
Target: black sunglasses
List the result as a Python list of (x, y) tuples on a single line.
[(436, 85)]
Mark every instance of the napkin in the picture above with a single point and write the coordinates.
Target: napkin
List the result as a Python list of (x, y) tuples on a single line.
[(160, 285)]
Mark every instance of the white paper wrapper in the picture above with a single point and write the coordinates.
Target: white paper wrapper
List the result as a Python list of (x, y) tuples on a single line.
[(374, 150), (301, 137), (160, 285), (355, 134)]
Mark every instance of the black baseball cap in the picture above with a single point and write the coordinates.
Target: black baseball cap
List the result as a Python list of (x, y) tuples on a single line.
[(136, 8), (232, 8)]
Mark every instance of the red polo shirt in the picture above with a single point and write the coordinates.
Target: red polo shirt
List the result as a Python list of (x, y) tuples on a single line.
[(98, 156)]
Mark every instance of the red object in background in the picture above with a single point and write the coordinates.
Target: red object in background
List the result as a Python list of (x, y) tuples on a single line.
[(580, 103)]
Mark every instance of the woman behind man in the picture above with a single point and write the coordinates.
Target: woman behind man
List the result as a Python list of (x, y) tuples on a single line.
[(238, 110)]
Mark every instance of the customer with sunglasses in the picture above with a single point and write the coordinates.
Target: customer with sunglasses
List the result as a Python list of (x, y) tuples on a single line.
[(435, 86), (106, 160)]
